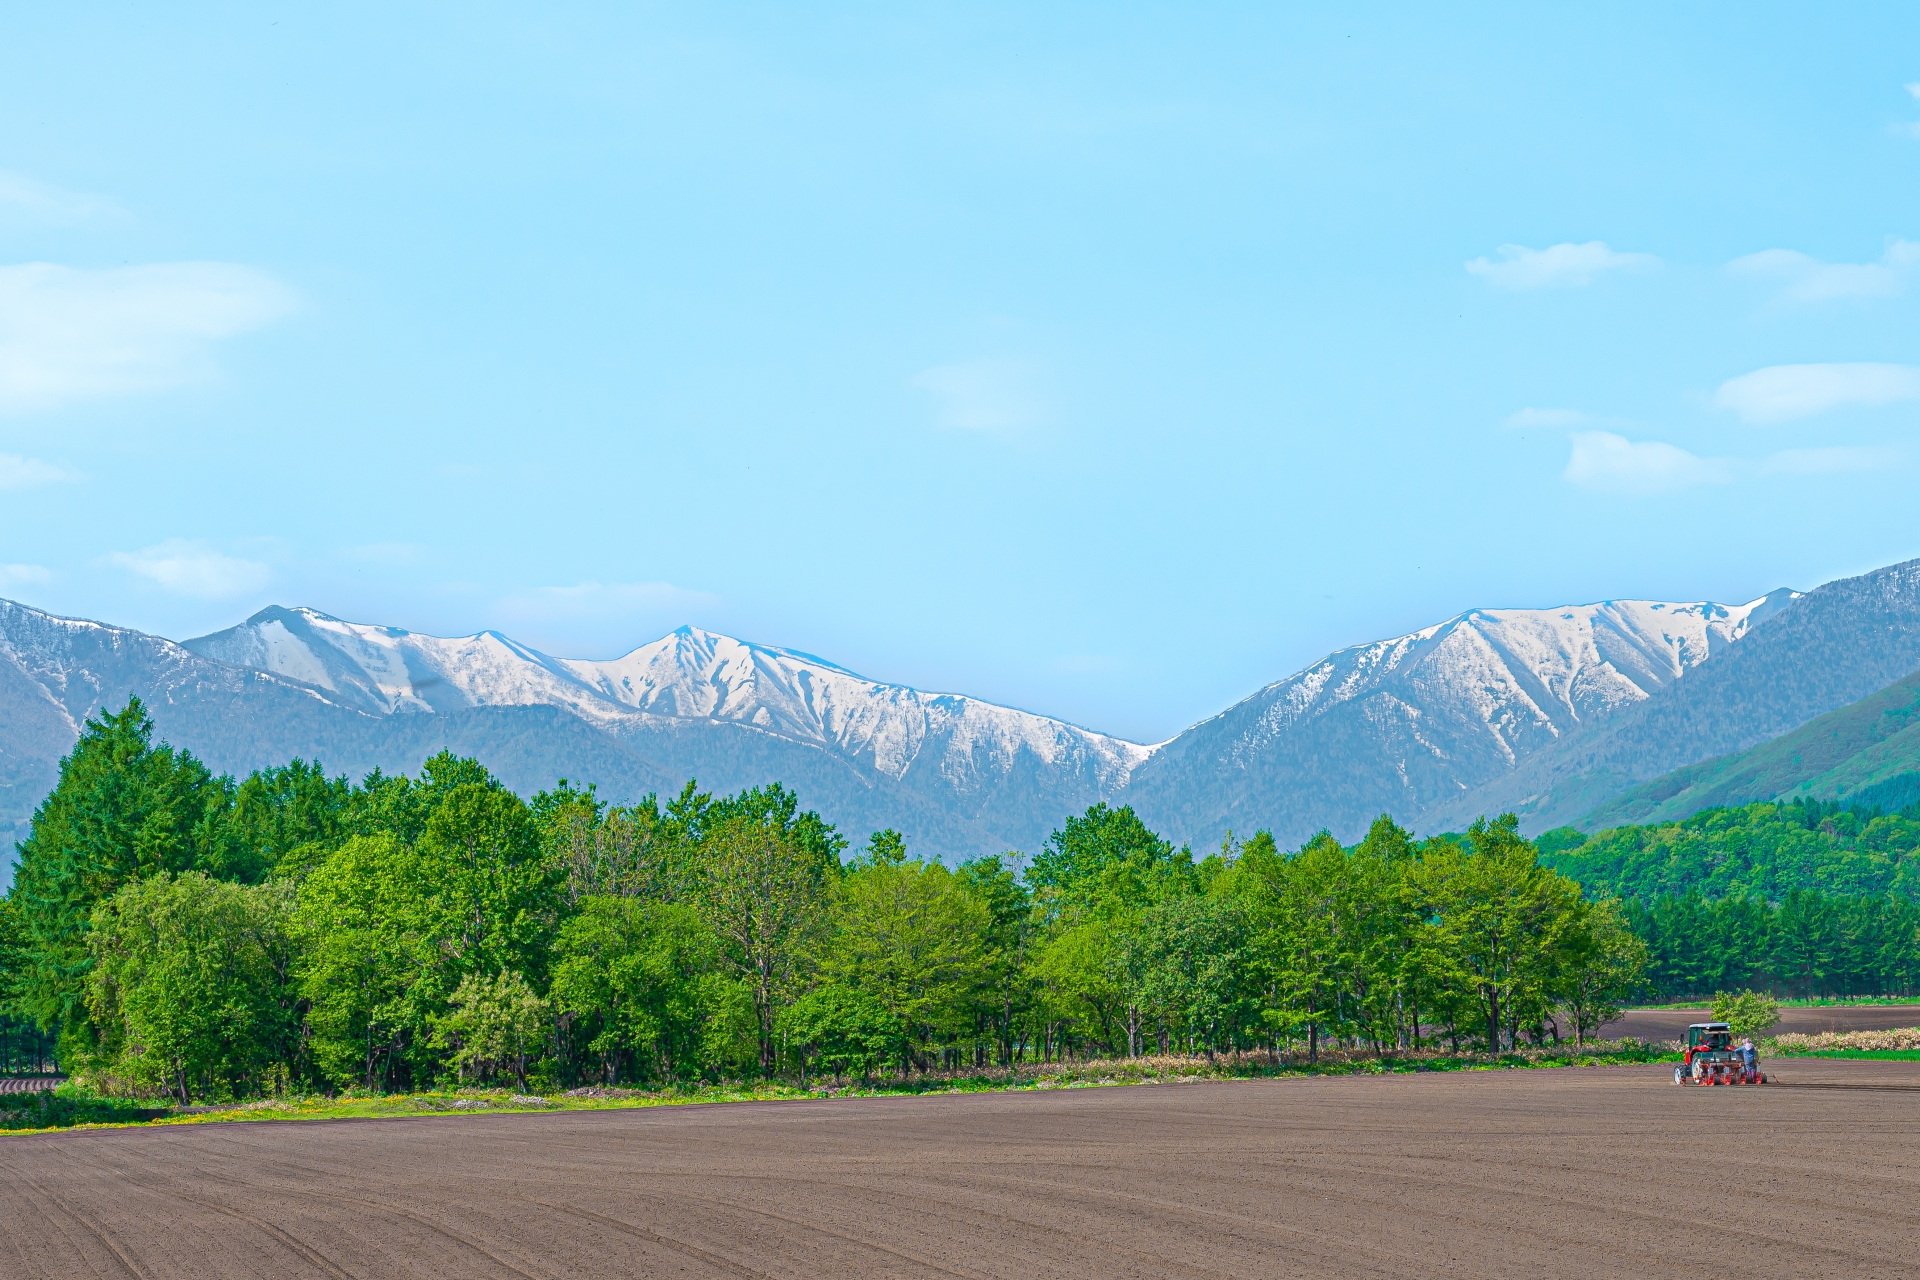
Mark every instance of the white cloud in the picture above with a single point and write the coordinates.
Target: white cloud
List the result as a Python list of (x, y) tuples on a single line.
[(984, 395), (1913, 87), (19, 575), (17, 472), (1785, 391), (1546, 418), (43, 202), (1560, 264), (192, 568), (1607, 463), (1811, 280), (71, 334)]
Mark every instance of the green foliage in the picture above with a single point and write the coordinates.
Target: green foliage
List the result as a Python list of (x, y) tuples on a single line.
[(1107, 862), (490, 1026), (123, 809), (369, 968), (910, 938), (1609, 965), (290, 817), (1190, 953), (1757, 850), (1807, 945), (638, 986), (1746, 1013), (190, 984), (765, 895), (842, 1030), (67, 1106), (211, 938)]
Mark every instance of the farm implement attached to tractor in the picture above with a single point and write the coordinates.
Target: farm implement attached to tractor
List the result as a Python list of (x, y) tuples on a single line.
[(1712, 1058)]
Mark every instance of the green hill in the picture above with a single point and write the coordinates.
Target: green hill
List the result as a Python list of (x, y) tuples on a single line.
[(1867, 752), (1757, 850)]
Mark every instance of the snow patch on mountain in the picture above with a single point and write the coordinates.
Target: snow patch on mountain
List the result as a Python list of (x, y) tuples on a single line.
[(1519, 674), (690, 674)]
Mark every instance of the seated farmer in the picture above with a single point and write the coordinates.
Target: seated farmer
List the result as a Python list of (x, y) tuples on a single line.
[(1749, 1056)]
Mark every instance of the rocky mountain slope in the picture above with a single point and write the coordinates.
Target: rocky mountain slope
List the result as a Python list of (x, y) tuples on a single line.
[(1834, 646), (1403, 725), (1855, 751), (1551, 710)]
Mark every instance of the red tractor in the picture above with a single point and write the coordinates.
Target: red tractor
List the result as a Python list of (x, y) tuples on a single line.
[(1712, 1058)]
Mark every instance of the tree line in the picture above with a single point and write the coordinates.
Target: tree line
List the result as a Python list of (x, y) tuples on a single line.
[(1803, 897), (185, 932)]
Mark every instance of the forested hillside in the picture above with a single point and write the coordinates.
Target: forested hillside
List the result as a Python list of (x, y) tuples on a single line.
[(1857, 755), (1758, 850), (1806, 898)]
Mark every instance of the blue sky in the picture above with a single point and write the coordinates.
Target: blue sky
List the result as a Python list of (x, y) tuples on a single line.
[(1105, 361)]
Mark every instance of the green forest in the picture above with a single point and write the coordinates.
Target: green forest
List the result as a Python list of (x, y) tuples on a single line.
[(187, 934), (1805, 897)]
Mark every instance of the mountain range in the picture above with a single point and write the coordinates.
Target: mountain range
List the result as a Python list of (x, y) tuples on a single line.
[(1551, 712)]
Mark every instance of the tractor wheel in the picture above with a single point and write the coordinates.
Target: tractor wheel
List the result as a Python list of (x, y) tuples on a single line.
[(1679, 1075)]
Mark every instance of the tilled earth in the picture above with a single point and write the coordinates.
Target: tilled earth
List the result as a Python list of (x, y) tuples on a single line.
[(1671, 1024), (1575, 1172)]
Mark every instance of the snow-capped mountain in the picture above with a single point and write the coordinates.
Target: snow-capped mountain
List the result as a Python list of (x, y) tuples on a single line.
[(1838, 644), (1417, 725), (56, 672), (1402, 724), (688, 676)]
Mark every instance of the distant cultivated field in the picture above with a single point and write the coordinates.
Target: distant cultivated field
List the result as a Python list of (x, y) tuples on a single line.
[(1594, 1172), (1671, 1024)]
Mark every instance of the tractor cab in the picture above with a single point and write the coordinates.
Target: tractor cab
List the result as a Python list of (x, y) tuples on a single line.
[(1708, 1036)]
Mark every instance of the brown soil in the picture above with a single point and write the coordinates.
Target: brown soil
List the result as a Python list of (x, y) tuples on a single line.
[(1671, 1024), (30, 1084), (1594, 1172)]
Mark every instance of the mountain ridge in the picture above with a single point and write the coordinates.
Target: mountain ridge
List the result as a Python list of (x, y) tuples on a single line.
[(1837, 644), (1400, 725)]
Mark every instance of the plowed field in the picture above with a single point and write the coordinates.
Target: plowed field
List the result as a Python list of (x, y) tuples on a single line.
[(1597, 1172), (1671, 1024)]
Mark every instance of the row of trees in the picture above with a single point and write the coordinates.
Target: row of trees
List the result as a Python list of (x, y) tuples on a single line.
[(186, 932), (1807, 944)]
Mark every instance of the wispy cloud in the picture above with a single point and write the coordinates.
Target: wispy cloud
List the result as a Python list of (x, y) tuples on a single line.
[(1808, 279), (44, 202), (23, 575), (1783, 392), (985, 395), (17, 472), (70, 334), (192, 568), (1547, 418), (1607, 463), (1562, 264)]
